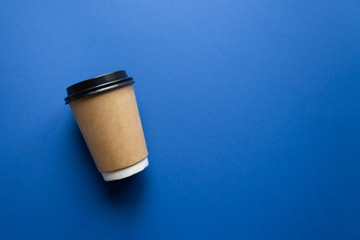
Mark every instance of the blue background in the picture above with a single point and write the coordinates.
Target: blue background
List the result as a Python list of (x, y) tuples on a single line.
[(250, 110)]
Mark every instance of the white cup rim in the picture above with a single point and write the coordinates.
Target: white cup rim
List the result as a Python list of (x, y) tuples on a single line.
[(126, 172)]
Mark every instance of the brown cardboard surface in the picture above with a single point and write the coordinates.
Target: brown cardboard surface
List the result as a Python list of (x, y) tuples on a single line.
[(111, 126)]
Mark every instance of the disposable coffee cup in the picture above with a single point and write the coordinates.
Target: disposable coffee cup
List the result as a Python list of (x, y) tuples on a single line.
[(106, 112)]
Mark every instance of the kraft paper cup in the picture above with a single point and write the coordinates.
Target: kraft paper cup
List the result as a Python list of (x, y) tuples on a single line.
[(106, 112)]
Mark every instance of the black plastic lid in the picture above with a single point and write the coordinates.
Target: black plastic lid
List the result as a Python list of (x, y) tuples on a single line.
[(98, 84)]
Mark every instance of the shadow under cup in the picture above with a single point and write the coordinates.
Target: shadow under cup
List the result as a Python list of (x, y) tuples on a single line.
[(106, 112)]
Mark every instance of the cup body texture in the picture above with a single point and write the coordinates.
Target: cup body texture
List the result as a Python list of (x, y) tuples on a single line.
[(111, 126)]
